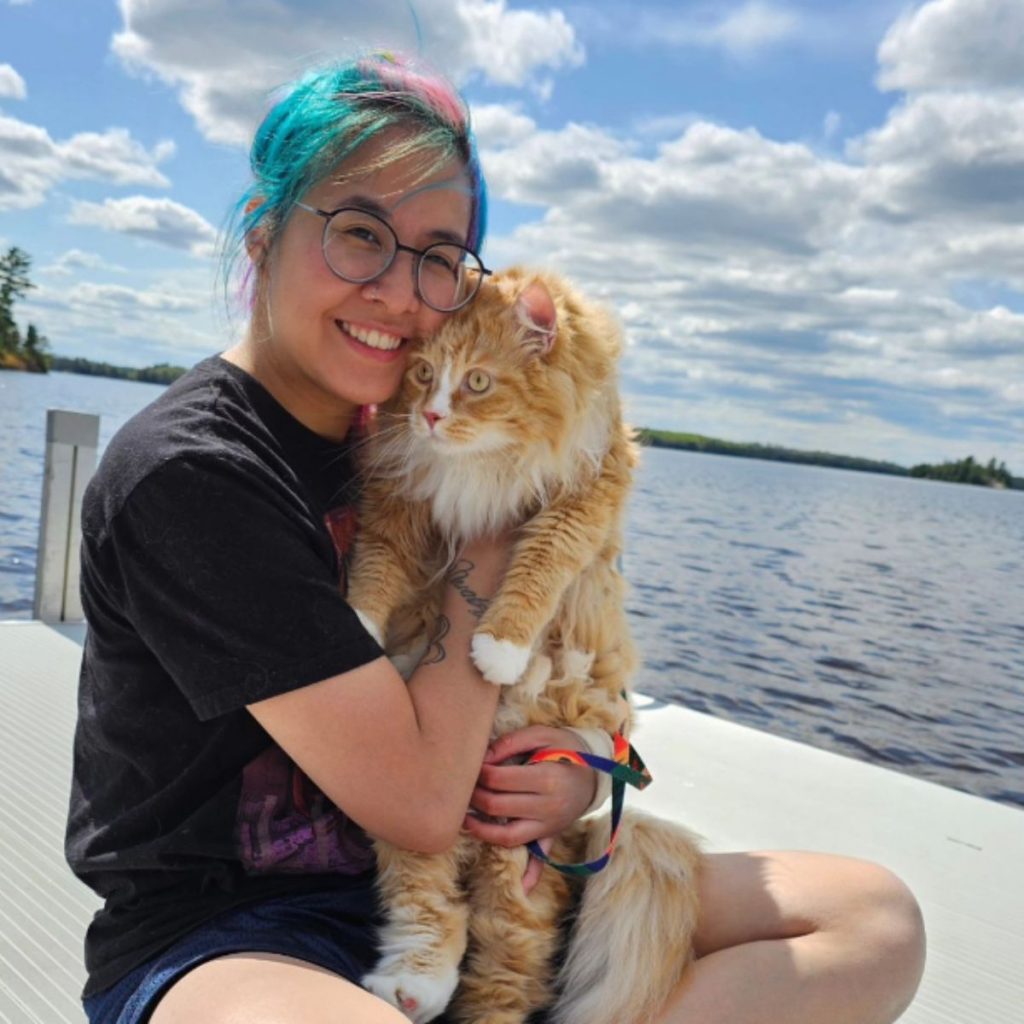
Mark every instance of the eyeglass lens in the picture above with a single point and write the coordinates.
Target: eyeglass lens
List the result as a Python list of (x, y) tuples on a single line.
[(359, 246)]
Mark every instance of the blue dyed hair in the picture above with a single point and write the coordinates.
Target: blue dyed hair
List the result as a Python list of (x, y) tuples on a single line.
[(327, 115)]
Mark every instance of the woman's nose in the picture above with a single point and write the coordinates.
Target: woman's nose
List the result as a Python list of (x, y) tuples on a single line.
[(396, 287)]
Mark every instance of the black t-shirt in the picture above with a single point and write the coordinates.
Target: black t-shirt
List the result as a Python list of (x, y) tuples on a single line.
[(213, 542)]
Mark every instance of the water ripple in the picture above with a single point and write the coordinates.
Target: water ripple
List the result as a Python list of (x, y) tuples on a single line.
[(894, 637), (877, 617)]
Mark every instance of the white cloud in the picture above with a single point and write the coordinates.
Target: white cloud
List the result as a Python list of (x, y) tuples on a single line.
[(772, 291), (711, 186), (116, 157), (741, 31), (955, 44), (157, 220), (506, 46), (123, 299), (949, 154), (497, 126), (12, 85), (664, 126), (224, 59), (135, 326), (754, 26), (68, 263), (31, 162)]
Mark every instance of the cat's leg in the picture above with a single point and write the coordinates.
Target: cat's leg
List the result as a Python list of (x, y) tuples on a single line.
[(514, 939), (394, 545), (554, 547), (424, 939)]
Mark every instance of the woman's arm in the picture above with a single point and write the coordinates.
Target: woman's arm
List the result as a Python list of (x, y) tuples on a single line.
[(401, 760)]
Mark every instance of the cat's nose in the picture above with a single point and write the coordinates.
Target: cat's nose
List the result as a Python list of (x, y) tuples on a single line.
[(432, 418)]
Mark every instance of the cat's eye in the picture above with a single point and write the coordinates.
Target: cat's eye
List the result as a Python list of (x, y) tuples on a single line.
[(478, 381), (424, 373)]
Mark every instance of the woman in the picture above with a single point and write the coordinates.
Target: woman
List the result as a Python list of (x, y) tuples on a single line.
[(231, 704)]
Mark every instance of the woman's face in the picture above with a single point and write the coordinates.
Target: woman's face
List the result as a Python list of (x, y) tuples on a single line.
[(324, 346)]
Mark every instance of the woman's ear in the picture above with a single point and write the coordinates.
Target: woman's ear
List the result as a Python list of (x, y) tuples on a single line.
[(257, 238), (536, 311)]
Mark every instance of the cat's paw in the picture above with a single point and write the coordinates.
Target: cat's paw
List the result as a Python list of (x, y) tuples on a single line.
[(500, 661), (421, 997), (370, 626)]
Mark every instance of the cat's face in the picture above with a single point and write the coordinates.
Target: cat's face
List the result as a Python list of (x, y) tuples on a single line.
[(483, 384)]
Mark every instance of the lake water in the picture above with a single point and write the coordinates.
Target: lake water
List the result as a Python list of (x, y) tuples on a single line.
[(878, 617)]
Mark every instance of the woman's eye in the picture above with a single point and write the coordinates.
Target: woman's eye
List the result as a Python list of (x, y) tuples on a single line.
[(362, 236), (423, 373), (478, 381), (442, 259)]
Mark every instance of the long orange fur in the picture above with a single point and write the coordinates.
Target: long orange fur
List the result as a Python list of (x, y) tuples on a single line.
[(543, 449)]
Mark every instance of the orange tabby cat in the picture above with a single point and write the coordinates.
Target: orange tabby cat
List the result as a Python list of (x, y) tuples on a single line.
[(510, 418)]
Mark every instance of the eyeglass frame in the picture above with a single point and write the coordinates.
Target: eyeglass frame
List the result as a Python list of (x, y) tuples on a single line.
[(329, 215)]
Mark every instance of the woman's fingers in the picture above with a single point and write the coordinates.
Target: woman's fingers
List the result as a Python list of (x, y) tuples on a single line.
[(516, 832), (520, 778), (533, 737)]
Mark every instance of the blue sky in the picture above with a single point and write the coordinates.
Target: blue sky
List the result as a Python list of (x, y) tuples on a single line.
[(808, 215)]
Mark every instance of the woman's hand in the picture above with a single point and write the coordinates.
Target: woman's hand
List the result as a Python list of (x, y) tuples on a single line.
[(532, 801)]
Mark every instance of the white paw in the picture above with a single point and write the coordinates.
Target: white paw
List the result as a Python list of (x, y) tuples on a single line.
[(420, 997), (370, 626), (501, 661)]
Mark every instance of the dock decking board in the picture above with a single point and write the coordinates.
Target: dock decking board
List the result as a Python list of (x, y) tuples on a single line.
[(737, 787)]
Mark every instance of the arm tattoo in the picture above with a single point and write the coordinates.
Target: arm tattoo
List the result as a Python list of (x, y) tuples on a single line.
[(458, 577), (435, 651)]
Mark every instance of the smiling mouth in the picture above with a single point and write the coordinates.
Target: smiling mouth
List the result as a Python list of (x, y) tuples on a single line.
[(371, 338)]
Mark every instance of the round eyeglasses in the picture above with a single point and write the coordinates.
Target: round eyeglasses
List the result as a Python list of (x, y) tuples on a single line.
[(359, 246)]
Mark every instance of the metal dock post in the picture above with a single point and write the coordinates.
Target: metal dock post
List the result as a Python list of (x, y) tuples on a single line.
[(72, 439)]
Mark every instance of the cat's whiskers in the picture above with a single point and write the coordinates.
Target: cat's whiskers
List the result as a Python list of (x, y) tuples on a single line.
[(381, 446)]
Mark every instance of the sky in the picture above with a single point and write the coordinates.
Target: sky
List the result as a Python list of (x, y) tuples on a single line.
[(808, 215)]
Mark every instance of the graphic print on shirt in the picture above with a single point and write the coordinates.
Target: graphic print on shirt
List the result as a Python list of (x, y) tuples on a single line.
[(341, 524), (285, 823)]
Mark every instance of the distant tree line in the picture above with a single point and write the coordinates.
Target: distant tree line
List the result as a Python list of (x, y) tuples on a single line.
[(161, 373), (774, 453), (967, 471), (30, 352)]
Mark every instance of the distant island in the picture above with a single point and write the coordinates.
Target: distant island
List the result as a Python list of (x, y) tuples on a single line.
[(771, 452), (966, 471), (161, 373)]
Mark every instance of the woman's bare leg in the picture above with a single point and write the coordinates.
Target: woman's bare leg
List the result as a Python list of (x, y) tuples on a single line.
[(264, 988), (800, 938)]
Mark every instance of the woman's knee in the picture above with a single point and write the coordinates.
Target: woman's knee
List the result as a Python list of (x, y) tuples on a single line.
[(878, 917), (784, 894)]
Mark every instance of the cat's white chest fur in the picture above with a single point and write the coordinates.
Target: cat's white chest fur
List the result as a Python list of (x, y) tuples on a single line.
[(469, 496)]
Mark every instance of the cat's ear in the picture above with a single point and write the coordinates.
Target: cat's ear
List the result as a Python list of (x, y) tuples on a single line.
[(536, 311)]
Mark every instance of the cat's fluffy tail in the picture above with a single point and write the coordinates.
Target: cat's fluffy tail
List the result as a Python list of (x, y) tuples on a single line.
[(632, 938)]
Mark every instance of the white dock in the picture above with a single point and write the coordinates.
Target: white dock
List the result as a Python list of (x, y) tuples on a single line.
[(741, 789)]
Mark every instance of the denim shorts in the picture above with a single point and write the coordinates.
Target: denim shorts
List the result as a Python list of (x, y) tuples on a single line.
[(335, 930)]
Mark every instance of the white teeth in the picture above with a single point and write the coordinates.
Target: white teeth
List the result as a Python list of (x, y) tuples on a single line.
[(375, 339)]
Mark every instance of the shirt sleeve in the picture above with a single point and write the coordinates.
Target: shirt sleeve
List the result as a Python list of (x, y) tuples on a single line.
[(232, 584)]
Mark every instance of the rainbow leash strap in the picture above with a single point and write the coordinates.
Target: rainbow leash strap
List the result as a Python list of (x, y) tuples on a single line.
[(626, 769)]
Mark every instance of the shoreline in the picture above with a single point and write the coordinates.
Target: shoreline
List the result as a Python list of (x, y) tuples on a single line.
[(167, 373)]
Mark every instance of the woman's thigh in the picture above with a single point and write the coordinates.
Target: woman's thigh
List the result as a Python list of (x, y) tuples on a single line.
[(747, 897), (266, 988)]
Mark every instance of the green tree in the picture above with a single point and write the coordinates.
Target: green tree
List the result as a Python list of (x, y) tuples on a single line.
[(14, 283), (36, 350)]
